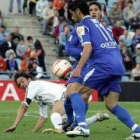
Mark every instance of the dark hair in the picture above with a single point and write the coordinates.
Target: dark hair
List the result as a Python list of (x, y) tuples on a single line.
[(3, 26), (22, 74), (29, 38), (97, 4), (66, 25), (130, 1), (81, 4)]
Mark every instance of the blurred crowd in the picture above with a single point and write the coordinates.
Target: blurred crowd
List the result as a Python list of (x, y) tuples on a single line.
[(16, 55), (20, 53), (123, 18)]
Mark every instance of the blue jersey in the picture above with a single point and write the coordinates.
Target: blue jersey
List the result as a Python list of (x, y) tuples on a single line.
[(73, 46), (105, 57)]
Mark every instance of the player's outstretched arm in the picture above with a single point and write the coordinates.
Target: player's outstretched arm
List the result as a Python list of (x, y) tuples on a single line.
[(21, 111), (39, 124)]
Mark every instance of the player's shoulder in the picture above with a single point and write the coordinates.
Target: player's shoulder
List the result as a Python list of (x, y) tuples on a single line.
[(81, 27), (80, 30), (36, 83), (86, 22), (33, 87), (87, 19), (50, 83)]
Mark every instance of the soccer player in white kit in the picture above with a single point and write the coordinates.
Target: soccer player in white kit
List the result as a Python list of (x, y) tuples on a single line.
[(46, 94)]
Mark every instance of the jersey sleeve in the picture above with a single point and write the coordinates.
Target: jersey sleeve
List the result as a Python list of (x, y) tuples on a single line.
[(27, 102), (83, 34), (73, 51), (31, 91), (43, 111)]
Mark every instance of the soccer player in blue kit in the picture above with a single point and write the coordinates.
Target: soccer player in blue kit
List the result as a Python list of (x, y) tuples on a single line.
[(99, 67)]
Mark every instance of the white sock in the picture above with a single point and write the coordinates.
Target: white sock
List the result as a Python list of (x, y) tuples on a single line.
[(91, 120), (134, 127), (56, 120)]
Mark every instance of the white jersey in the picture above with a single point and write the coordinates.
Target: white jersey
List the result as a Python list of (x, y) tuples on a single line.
[(45, 93)]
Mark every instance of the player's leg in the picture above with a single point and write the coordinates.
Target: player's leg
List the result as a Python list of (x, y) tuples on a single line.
[(75, 89), (71, 122), (98, 117), (111, 102), (56, 117), (78, 105), (86, 92), (69, 111), (57, 113), (108, 84), (74, 97)]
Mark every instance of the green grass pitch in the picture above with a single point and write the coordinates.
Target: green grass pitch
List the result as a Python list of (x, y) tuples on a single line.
[(108, 130)]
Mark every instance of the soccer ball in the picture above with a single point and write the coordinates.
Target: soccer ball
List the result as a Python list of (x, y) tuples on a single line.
[(61, 68)]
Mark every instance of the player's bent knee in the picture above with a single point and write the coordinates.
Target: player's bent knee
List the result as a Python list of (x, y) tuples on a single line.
[(110, 105), (111, 100), (58, 107), (85, 97), (73, 88)]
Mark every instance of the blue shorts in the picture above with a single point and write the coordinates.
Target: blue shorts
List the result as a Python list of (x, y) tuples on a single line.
[(103, 83), (77, 79)]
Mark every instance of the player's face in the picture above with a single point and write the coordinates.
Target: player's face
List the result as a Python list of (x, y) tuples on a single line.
[(94, 11), (75, 15), (22, 82)]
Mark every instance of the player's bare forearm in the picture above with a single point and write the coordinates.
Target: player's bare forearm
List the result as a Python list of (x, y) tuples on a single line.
[(39, 124), (22, 110), (20, 114)]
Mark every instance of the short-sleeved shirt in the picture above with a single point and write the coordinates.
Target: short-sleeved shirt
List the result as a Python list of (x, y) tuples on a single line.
[(104, 68), (45, 93), (105, 56)]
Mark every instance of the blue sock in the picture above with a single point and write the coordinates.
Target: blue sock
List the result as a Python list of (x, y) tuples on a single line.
[(137, 130), (69, 110), (86, 107), (78, 106), (123, 115)]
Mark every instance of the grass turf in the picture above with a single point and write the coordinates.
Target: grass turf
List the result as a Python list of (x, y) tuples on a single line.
[(111, 129)]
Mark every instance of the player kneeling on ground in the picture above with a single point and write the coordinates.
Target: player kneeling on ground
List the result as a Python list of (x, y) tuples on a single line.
[(46, 94)]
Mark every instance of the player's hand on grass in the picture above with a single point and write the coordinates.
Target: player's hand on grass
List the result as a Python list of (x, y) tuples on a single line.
[(11, 129)]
